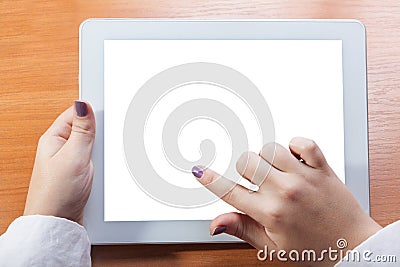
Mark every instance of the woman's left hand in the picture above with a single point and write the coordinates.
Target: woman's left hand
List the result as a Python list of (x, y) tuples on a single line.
[(63, 171)]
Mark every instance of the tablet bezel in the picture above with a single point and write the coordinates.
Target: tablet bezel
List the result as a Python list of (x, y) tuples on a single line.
[(93, 32)]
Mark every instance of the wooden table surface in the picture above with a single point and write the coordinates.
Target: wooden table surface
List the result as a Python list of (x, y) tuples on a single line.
[(39, 79)]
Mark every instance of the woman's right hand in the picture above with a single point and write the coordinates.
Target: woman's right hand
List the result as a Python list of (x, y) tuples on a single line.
[(301, 205)]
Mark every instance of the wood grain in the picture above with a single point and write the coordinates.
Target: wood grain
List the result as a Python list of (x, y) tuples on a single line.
[(39, 79)]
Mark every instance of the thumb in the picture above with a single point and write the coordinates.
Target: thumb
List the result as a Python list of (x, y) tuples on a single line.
[(242, 226), (82, 130)]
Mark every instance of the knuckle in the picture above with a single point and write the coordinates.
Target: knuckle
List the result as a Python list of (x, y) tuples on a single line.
[(247, 163), (268, 151), (275, 215), (208, 178), (83, 128), (229, 197), (311, 146), (241, 163), (42, 139), (292, 191), (268, 147), (240, 230), (294, 140)]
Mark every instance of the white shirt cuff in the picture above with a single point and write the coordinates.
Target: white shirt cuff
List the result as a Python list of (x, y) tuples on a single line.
[(381, 249), (38, 240)]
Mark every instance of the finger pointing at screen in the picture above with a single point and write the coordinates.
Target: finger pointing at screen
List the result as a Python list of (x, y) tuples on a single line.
[(300, 204)]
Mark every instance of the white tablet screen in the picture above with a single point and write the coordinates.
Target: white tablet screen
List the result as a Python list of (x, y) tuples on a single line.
[(300, 80)]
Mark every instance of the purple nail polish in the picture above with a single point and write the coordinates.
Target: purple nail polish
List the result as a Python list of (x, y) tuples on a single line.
[(81, 108), (219, 230), (197, 171)]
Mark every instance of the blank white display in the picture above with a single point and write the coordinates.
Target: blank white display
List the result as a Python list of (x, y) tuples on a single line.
[(301, 80)]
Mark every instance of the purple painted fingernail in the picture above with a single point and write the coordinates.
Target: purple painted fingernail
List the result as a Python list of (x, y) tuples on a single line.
[(197, 171), (219, 230), (81, 108)]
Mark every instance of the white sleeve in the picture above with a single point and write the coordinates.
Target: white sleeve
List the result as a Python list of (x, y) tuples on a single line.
[(38, 240), (382, 249)]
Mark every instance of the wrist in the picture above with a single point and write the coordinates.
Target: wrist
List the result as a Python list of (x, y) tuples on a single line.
[(362, 231)]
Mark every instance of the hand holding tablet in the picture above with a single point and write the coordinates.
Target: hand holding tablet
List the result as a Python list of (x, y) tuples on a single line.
[(203, 92), (310, 75), (291, 212)]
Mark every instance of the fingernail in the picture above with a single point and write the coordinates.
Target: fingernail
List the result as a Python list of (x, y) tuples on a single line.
[(81, 108), (197, 171), (219, 230)]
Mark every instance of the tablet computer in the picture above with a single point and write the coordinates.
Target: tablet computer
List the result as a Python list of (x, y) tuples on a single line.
[(170, 94)]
